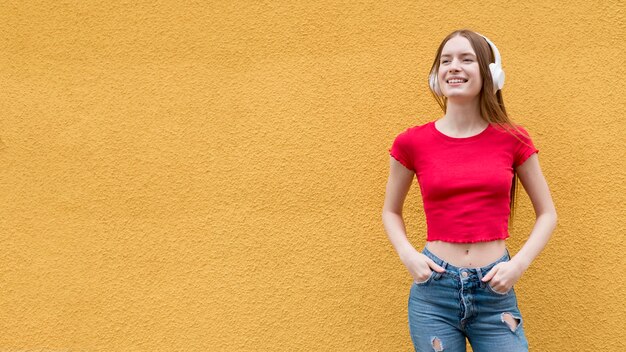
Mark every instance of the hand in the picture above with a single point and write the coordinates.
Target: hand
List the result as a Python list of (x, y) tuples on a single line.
[(504, 275), (420, 266)]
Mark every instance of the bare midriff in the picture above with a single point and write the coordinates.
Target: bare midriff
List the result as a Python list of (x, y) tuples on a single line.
[(468, 255)]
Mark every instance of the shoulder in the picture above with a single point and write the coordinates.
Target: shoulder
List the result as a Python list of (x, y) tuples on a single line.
[(414, 130), (515, 131), (523, 134), (411, 138), (521, 130)]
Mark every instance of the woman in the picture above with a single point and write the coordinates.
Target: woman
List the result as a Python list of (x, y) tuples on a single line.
[(467, 164)]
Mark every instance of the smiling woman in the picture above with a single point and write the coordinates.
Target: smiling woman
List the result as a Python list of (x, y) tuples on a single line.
[(467, 164), (458, 68)]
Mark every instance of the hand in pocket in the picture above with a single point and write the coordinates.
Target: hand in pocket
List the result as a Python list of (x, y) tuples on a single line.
[(421, 267)]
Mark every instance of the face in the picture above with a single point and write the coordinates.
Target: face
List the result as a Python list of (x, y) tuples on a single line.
[(459, 59)]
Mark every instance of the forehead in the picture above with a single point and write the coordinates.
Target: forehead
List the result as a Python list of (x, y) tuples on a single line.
[(457, 46)]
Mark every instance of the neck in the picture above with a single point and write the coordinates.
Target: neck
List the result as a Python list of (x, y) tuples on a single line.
[(463, 115)]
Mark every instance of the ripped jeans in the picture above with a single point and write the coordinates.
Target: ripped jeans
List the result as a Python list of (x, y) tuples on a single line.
[(449, 307)]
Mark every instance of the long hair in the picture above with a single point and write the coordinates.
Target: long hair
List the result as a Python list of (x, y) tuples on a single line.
[(492, 108)]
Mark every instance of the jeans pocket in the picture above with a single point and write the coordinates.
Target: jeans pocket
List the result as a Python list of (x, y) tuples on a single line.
[(432, 273), (491, 289)]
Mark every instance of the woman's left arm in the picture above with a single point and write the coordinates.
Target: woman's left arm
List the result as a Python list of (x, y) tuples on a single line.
[(535, 184), (504, 275)]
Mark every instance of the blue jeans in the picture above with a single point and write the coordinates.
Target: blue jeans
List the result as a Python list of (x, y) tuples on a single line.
[(449, 307)]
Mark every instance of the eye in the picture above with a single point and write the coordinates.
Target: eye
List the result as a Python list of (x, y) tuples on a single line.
[(468, 60)]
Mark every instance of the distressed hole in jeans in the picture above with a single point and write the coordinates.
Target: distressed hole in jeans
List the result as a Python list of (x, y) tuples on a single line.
[(511, 321), (437, 345)]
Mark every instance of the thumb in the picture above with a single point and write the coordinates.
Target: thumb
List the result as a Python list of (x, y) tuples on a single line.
[(436, 266), (490, 274)]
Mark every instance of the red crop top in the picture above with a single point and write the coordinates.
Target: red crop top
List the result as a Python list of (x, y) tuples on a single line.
[(465, 182)]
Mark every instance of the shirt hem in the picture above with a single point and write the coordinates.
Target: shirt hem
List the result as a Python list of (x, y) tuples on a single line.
[(471, 240), (404, 163), (526, 156)]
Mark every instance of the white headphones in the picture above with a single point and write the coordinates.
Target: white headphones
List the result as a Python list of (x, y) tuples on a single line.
[(497, 74)]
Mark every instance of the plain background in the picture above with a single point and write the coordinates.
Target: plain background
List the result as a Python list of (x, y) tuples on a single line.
[(193, 176)]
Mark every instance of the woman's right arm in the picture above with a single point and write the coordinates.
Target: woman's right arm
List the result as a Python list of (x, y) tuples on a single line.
[(398, 185)]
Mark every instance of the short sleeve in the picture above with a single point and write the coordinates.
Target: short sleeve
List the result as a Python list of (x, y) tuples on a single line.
[(523, 150), (401, 150)]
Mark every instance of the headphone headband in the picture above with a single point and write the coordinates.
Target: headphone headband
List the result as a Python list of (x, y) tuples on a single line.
[(496, 53)]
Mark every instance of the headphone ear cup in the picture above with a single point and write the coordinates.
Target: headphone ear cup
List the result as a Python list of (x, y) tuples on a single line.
[(500, 79), (497, 75), (434, 85)]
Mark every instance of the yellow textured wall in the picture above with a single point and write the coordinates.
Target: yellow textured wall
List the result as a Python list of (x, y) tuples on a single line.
[(210, 176)]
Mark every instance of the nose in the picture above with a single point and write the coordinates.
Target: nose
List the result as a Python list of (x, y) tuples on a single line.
[(454, 65)]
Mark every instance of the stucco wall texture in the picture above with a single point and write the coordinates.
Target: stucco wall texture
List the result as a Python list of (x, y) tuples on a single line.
[(191, 176)]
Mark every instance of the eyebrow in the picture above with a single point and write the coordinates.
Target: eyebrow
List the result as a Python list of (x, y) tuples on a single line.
[(465, 53)]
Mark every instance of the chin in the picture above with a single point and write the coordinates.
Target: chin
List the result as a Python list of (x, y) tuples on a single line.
[(462, 96)]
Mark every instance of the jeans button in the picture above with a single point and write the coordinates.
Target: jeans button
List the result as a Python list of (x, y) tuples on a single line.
[(464, 274)]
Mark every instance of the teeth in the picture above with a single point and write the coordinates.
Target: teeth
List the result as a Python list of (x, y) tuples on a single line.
[(456, 81)]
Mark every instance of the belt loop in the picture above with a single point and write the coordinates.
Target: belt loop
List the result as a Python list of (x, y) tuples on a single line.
[(479, 271), (438, 275)]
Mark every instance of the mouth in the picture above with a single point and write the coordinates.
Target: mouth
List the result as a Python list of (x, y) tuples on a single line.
[(456, 81)]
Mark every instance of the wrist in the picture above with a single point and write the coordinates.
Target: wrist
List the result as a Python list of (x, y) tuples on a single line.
[(521, 263), (406, 252)]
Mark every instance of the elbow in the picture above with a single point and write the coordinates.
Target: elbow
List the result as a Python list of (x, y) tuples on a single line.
[(388, 212), (554, 218), (550, 217), (551, 214)]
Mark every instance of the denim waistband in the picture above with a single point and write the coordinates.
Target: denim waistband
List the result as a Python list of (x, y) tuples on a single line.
[(455, 270)]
